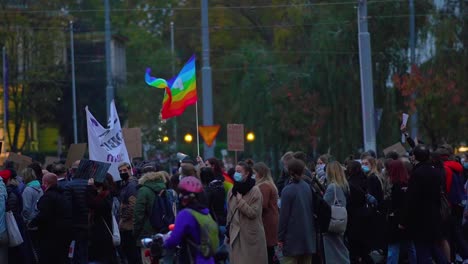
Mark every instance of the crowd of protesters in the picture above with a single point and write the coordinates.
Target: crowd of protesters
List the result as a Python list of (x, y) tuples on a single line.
[(394, 209)]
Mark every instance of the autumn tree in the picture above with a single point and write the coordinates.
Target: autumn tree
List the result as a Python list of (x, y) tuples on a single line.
[(438, 100)]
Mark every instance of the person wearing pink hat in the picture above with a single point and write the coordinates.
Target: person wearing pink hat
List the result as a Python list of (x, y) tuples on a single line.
[(195, 230)]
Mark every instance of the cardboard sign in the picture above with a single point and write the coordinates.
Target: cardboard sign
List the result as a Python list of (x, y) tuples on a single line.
[(132, 137), (76, 152), (92, 169), (51, 160), (20, 160), (235, 137), (398, 148)]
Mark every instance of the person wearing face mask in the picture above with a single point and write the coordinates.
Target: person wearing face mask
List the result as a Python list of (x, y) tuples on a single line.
[(374, 183), (128, 194), (320, 168), (245, 234)]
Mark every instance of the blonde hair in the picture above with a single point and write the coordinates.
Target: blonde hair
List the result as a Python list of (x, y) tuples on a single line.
[(373, 165), (263, 174), (374, 170), (28, 175), (336, 175)]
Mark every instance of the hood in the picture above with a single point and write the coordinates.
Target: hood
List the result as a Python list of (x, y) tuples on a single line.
[(34, 184), (153, 180), (455, 166), (151, 176)]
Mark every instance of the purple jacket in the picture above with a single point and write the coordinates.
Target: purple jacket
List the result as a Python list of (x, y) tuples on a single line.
[(187, 226)]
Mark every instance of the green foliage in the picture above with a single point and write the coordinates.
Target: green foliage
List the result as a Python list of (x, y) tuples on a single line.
[(36, 71)]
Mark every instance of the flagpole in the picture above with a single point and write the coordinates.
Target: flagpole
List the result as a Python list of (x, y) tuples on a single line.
[(198, 136)]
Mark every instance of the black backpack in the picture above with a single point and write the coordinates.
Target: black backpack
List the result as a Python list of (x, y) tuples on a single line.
[(162, 214)]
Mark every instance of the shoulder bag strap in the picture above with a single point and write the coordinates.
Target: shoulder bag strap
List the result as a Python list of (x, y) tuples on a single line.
[(336, 200), (108, 229)]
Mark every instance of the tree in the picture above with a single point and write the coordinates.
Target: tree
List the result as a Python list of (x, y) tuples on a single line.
[(438, 101), (35, 47)]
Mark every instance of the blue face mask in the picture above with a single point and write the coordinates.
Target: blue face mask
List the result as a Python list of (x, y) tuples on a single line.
[(238, 177), (465, 165), (365, 169)]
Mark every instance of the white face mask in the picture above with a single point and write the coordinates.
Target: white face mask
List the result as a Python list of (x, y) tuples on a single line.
[(254, 176)]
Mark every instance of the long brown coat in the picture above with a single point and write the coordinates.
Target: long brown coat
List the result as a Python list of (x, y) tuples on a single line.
[(247, 236), (270, 216)]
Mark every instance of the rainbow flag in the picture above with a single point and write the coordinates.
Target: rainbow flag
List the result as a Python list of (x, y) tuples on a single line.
[(181, 90)]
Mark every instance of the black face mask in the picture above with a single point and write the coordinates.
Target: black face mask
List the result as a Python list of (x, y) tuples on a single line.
[(124, 176)]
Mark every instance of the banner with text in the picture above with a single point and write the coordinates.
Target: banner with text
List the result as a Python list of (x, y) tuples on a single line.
[(107, 144)]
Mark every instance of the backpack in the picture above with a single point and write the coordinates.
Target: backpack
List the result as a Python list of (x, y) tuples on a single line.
[(457, 191), (209, 239), (162, 214), (339, 217)]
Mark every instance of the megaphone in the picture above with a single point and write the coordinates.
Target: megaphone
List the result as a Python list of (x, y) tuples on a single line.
[(181, 156)]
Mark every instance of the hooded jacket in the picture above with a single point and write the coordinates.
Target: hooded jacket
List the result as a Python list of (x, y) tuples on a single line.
[(451, 167), (150, 184), (31, 195)]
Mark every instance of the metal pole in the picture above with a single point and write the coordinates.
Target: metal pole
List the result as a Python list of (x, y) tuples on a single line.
[(206, 77), (72, 56), (5, 96), (414, 116), (367, 91), (109, 88), (174, 119)]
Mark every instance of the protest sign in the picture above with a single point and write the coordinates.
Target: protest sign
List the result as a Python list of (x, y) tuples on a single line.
[(398, 148), (132, 138), (76, 152), (92, 169), (21, 161)]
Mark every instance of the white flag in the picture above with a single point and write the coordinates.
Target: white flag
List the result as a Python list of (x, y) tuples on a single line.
[(107, 144)]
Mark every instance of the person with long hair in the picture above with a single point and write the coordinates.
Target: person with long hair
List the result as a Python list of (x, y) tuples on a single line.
[(296, 232), (99, 199), (337, 190), (357, 231), (397, 216), (270, 214), (374, 183), (246, 235)]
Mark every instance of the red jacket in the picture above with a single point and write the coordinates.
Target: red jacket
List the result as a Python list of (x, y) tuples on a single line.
[(450, 167)]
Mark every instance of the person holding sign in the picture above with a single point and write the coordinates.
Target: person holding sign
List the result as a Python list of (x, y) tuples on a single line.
[(75, 196)]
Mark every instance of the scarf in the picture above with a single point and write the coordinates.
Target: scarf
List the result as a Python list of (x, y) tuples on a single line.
[(243, 187)]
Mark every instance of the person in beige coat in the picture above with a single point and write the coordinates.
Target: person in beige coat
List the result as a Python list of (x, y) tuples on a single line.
[(246, 235)]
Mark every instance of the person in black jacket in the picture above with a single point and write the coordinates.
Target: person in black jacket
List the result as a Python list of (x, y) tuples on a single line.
[(424, 207), (75, 196), (99, 199), (357, 230), (53, 222), (214, 194), (398, 235)]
